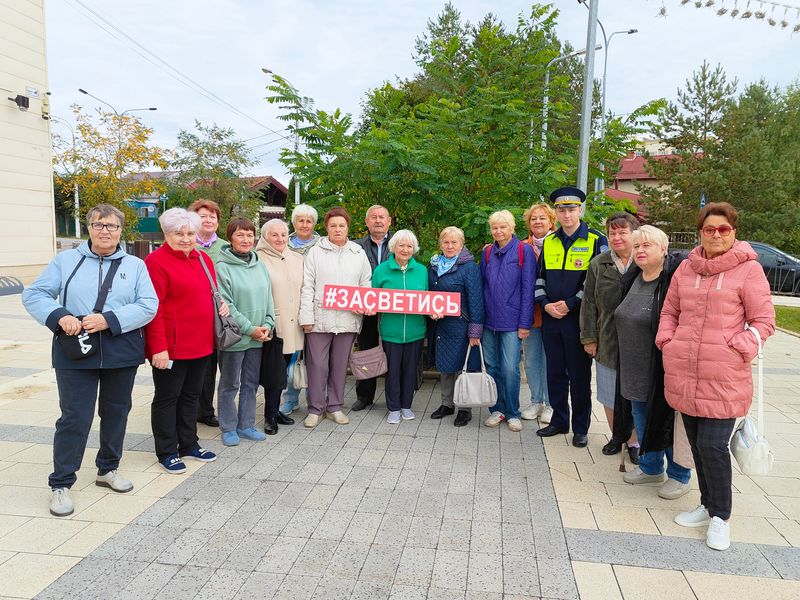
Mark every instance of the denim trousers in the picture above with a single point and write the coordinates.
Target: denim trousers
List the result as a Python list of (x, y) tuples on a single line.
[(238, 372), (501, 353), (291, 395), (536, 366), (77, 397), (652, 463)]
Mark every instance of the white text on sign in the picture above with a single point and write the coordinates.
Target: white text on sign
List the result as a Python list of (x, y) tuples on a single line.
[(347, 297)]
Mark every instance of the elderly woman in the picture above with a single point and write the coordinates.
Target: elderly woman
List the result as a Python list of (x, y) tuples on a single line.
[(718, 291), (304, 219), (641, 374), (601, 296), (209, 242), (403, 335), (508, 270), (245, 285), (286, 274), (74, 276), (541, 221), (450, 338), (180, 339), (330, 334)]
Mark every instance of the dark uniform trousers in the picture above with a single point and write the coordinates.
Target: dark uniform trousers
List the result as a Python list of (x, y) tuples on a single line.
[(569, 372)]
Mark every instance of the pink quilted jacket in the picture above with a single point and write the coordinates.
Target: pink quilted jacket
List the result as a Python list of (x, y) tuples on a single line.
[(707, 352)]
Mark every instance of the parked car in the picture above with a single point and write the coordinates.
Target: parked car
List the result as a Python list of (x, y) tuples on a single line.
[(782, 270)]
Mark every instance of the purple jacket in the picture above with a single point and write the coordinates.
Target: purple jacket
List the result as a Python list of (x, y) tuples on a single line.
[(508, 288)]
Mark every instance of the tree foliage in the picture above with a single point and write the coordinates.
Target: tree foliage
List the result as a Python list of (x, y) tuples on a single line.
[(742, 149), (108, 150), (210, 163), (461, 138)]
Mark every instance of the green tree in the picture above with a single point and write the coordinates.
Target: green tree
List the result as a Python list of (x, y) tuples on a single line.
[(457, 141), (109, 150), (211, 163)]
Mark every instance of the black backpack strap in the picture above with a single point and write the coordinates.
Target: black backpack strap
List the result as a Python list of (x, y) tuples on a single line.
[(106, 287), (66, 285)]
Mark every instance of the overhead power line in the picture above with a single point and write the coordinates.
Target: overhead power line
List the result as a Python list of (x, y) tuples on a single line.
[(115, 32)]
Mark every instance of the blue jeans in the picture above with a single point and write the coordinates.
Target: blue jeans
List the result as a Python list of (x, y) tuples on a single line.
[(238, 372), (652, 463), (536, 366), (501, 353), (291, 395)]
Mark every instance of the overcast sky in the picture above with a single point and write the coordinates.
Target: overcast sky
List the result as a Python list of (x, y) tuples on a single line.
[(336, 50)]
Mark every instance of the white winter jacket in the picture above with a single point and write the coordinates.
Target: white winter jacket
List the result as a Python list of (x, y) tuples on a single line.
[(327, 263)]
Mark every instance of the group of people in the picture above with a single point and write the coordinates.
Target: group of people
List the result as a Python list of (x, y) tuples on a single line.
[(668, 337)]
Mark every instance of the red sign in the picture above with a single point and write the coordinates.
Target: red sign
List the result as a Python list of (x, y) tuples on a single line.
[(348, 297)]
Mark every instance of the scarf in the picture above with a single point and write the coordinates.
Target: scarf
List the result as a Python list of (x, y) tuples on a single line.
[(443, 264), (621, 267), (537, 243), (209, 243)]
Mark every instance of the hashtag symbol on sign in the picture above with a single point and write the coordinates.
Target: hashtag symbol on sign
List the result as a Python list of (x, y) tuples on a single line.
[(330, 297)]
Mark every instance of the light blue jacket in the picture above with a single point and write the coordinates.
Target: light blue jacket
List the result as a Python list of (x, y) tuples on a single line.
[(131, 304)]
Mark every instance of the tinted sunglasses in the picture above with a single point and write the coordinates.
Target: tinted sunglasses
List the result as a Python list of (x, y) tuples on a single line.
[(723, 230)]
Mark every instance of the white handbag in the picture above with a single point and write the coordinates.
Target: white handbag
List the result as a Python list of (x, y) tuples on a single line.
[(748, 444), (474, 390), (299, 372)]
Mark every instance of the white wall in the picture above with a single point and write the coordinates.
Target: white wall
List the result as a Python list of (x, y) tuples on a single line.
[(27, 218)]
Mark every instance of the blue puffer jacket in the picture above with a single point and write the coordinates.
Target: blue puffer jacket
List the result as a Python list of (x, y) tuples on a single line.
[(508, 288), (131, 304), (448, 337)]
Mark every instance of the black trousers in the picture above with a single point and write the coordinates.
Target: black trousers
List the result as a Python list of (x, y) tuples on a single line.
[(205, 404), (173, 414), (709, 439), (368, 338), (401, 376), (272, 397)]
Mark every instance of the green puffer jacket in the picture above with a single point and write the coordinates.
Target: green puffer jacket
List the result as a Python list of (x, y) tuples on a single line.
[(395, 327), (246, 288)]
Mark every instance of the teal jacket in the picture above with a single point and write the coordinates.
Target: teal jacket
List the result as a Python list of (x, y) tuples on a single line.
[(246, 288), (395, 327)]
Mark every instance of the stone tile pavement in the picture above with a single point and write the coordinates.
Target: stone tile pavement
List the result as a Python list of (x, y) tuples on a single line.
[(369, 510)]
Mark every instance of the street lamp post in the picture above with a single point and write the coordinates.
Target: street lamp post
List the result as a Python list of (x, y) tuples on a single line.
[(75, 192), (118, 114), (546, 99), (296, 149)]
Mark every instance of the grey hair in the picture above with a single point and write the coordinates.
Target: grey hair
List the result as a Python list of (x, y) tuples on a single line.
[(377, 207), (454, 231), (305, 210), (273, 223), (175, 219), (403, 235), (648, 233), (101, 211), (502, 216)]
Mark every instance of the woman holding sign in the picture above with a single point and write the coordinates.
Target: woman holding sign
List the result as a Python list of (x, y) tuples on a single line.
[(330, 333), (403, 334)]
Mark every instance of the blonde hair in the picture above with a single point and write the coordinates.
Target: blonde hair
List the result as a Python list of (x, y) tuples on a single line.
[(648, 233), (502, 216), (454, 231), (546, 209)]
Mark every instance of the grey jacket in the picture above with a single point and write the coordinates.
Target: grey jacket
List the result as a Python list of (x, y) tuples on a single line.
[(602, 294), (370, 248)]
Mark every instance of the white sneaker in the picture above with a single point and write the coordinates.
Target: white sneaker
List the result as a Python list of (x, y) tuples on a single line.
[(407, 414), (532, 412), (393, 418), (60, 503), (672, 489), (495, 419), (514, 425), (115, 481), (718, 536), (637, 476), (697, 517), (546, 416)]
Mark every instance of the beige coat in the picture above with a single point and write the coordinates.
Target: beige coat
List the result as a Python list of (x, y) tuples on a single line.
[(286, 272), (329, 264)]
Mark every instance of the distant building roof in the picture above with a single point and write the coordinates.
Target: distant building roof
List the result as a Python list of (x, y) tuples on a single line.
[(635, 199)]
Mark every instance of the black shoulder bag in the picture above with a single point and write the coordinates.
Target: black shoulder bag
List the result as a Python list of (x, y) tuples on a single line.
[(84, 344)]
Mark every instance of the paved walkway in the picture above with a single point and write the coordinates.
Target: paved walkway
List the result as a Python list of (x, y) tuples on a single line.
[(419, 510)]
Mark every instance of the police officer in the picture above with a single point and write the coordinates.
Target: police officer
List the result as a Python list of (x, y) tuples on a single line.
[(563, 263)]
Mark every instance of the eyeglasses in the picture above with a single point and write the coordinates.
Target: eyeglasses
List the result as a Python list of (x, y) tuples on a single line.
[(112, 227), (723, 230)]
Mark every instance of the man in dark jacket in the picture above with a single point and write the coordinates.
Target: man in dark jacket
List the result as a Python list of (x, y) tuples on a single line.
[(376, 245)]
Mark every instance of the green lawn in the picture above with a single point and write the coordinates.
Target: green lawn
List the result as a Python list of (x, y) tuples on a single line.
[(788, 317)]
